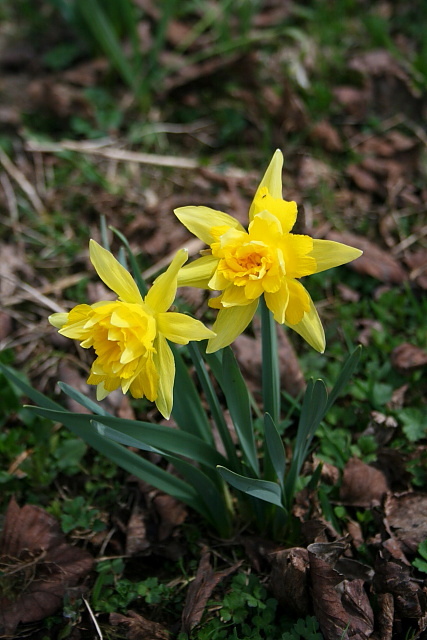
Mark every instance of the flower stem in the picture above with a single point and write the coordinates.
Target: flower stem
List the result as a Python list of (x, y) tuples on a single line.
[(270, 378)]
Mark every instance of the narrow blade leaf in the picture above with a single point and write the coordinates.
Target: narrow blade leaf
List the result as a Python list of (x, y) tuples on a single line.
[(261, 489)]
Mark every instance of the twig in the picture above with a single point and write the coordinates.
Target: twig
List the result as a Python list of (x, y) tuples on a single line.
[(37, 295), (22, 181), (92, 615), (114, 153)]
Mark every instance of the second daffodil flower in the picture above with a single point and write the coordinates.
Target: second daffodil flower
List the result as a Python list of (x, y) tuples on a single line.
[(266, 260), (129, 335)]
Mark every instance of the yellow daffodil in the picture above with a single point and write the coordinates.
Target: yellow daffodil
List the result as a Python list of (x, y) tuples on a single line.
[(129, 335), (267, 260)]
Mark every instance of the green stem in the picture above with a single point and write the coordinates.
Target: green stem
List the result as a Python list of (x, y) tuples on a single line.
[(270, 364), (215, 407), (270, 378)]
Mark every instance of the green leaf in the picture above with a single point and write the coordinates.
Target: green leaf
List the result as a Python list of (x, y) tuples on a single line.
[(414, 423), (347, 371), (158, 436), (422, 549), (213, 496), (215, 407), (188, 410), (83, 400), (98, 23), (270, 364), (275, 448), (237, 397), (261, 489), (312, 413)]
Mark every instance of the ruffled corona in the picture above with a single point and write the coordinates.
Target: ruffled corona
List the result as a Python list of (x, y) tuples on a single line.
[(264, 260), (129, 335)]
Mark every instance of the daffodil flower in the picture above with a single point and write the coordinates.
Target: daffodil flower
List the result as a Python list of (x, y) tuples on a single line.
[(129, 335), (266, 260)]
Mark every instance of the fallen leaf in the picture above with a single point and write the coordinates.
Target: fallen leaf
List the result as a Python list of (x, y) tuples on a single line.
[(385, 616), (324, 133), (138, 627), (406, 515), (171, 513), (407, 357), (394, 577), (288, 580), (375, 261), (37, 566), (341, 606), (417, 263), (362, 485), (365, 180), (136, 532), (200, 591)]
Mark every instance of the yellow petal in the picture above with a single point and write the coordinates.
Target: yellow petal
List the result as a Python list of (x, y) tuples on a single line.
[(329, 254), (299, 302), (163, 291), (234, 296), (277, 302), (197, 273), (200, 221), (113, 274), (272, 179), (180, 328), (229, 324), (58, 319), (310, 328), (298, 259), (165, 365)]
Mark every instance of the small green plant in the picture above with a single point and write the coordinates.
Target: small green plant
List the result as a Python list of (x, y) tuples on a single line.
[(112, 592), (307, 629), (420, 561)]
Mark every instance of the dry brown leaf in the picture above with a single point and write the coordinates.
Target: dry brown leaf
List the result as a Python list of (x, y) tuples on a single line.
[(200, 591), (38, 566), (341, 606), (394, 577), (136, 532), (417, 263), (288, 580), (406, 515), (138, 627), (407, 357), (385, 616), (362, 485), (171, 513), (375, 261), (324, 133), (365, 180)]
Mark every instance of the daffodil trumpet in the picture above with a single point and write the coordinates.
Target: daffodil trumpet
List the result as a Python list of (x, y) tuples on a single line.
[(129, 335), (266, 260)]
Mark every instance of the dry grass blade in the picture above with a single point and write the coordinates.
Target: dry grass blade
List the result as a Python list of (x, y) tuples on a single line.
[(22, 181)]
